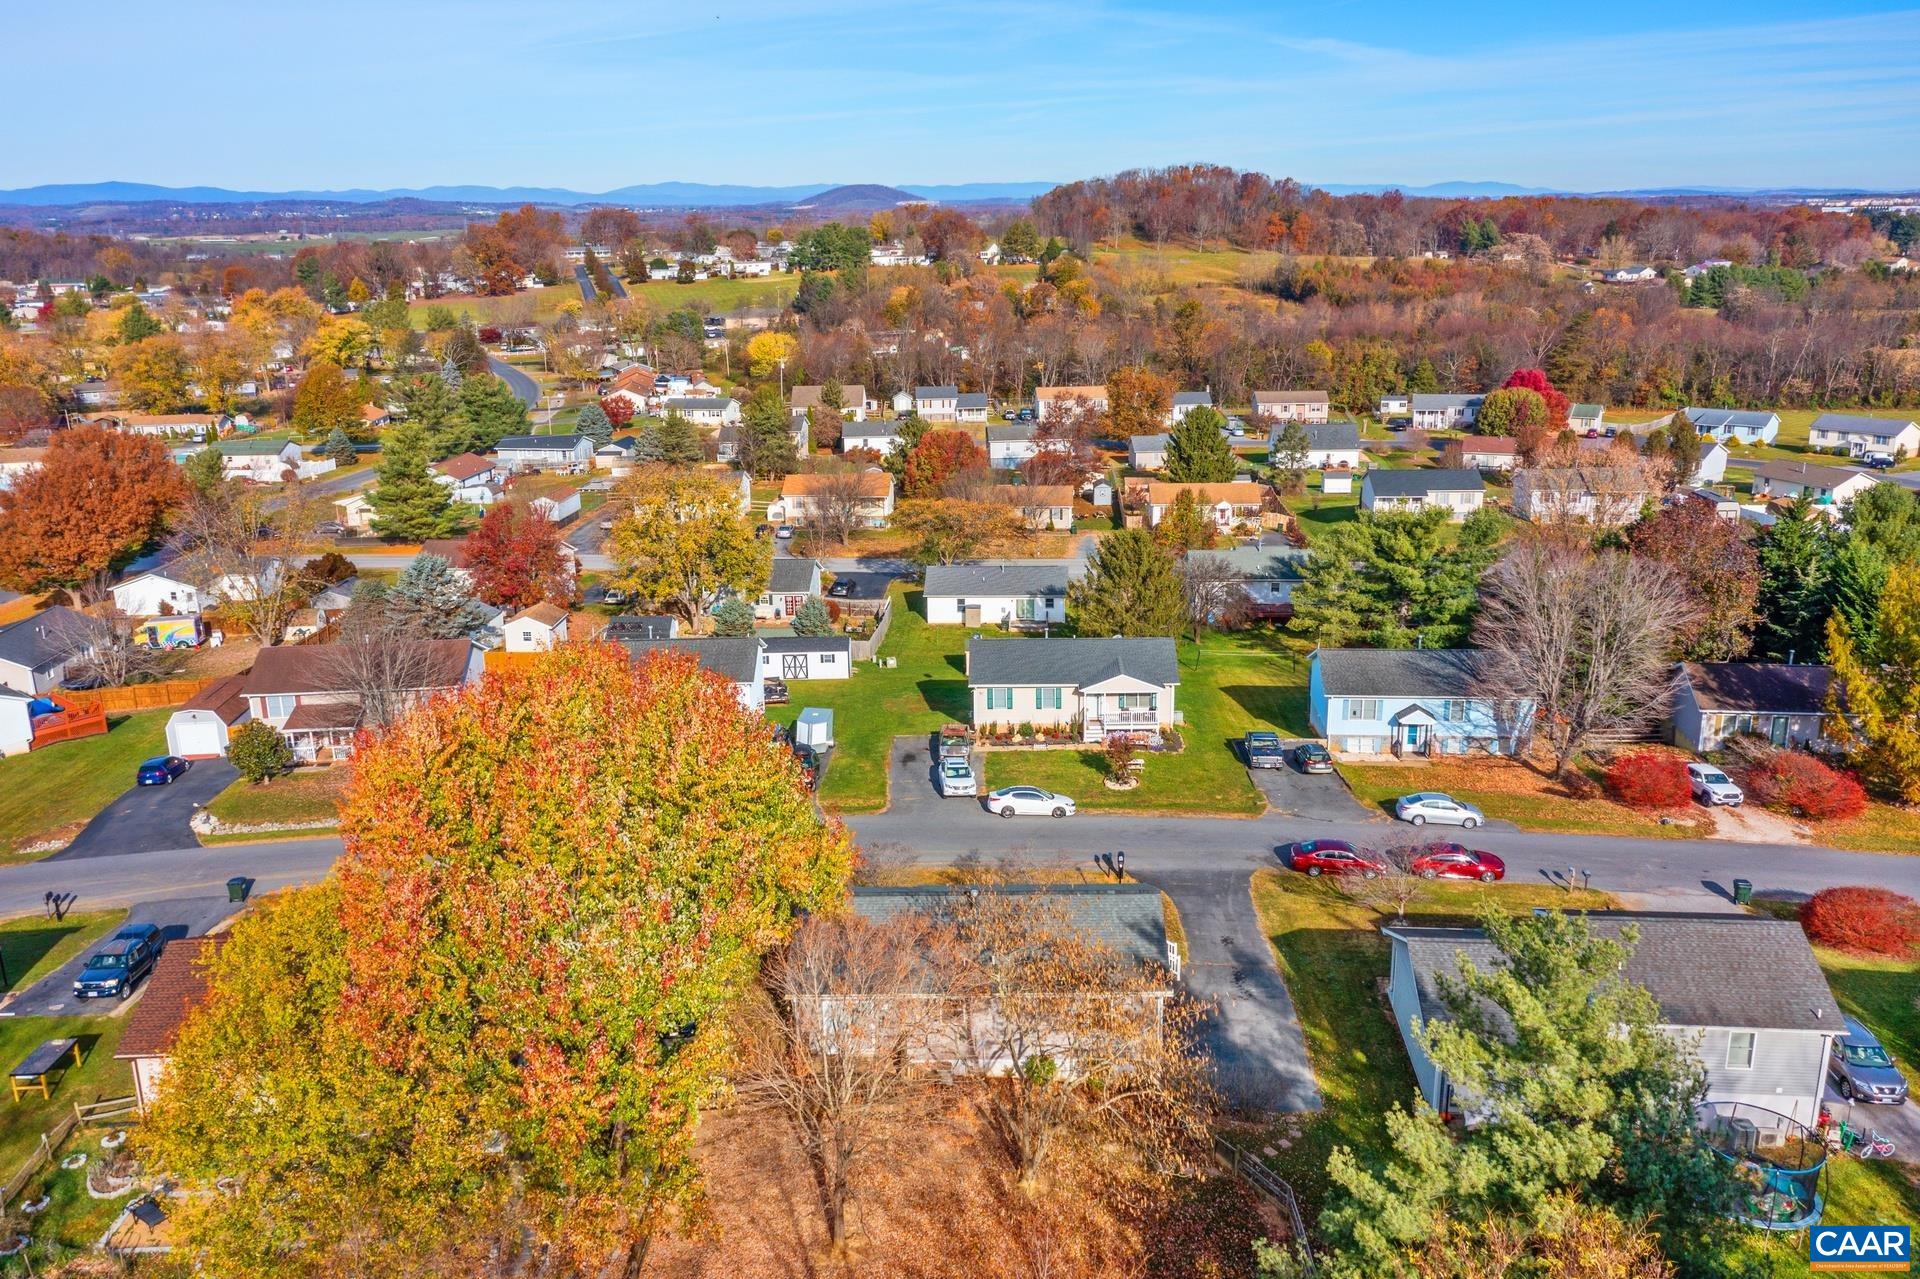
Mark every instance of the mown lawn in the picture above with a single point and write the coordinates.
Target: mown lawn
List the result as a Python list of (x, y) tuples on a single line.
[(97, 1078), (308, 797), (35, 945), (1508, 791), (1883, 828), (1335, 964), (55, 791)]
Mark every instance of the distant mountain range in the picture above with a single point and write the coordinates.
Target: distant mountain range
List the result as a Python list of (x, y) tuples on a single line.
[(688, 195)]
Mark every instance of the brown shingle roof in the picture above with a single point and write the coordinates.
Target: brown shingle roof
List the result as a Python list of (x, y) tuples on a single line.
[(178, 985), (223, 697), (545, 613), (307, 668), (872, 484), (1237, 492), (464, 466), (1758, 686)]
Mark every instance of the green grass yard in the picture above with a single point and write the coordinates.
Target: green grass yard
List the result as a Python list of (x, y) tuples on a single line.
[(97, 1078), (1508, 791), (306, 797), (54, 792), (34, 945)]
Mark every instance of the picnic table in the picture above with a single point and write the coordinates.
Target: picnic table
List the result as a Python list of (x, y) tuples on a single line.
[(31, 1074)]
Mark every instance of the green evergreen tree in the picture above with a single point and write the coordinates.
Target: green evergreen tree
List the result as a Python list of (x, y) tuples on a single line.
[(733, 618), (679, 440), (594, 423), (1423, 380), (408, 502), (1855, 584), (432, 600), (1291, 449), (1131, 587), (428, 400), (1796, 561), (766, 435), (490, 411), (1197, 450), (646, 443), (1392, 580), (205, 470), (339, 448), (136, 323), (813, 618), (451, 374)]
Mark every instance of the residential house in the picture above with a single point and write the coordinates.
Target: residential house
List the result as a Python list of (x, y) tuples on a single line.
[(794, 581), (615, 457), (853, 399), (177, 985), (16, 722), (637, 385), (735, 660), (1227, 505), (1742, 426), (191, 585), (472, 478), (879, 437), (516, 453), (1458, 492), (1742, 995), (1394, 406), (1894, 437), (705, 410), (628, 626), (800, 495), (355, 512), (17, 462), (1712, 466), (1048, 400), (785, 657), (198, 426), (1041, 506), (202, 726), (1331, 446), (1105, 686), (1605, 496), (1582, 418), (1009, 446), (35, 651), (971, 407), (308, 691), (1292, 406), (937, 403), (1147, 452), (1185, 402), (1013, 593), (265, 461), (1433, 701), (1727, 508), (1445, 412), (1267, 574), (1635, 274), (1489, 452), (536, 629), (1828, 485), (1713, 701), (374, 416)]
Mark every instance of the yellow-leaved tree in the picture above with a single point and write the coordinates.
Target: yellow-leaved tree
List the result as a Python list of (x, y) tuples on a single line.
[(683, 540), (1873, 703)]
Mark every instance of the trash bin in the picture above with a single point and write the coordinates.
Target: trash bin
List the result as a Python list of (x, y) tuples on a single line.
[(1743, 892), (237, 888)]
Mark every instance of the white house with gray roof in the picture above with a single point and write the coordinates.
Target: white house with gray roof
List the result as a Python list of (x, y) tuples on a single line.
[(1744, 995), (1410, 701), (1742, 426), (937, 403), (1017, 593), (971, 406), (736, 660), (785, 657), (881, 437), (1445, 412), (1147, 452), (1267, 574), (1458, 492), (1291, 406), (791, 584), (1185, 402), (35, 651), (543, 452), (1105, 686), (1331, 446), (1896, 437)]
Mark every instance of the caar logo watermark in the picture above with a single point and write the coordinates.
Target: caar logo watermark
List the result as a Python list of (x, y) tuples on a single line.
[(1882, 1248)]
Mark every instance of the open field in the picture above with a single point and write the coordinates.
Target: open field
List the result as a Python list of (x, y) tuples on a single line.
[(55, 791), (543, 304)]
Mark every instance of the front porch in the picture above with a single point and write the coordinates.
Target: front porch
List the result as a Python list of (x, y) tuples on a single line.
[(322, 732)]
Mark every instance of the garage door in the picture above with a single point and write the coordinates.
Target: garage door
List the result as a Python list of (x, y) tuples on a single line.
[(195, 739)]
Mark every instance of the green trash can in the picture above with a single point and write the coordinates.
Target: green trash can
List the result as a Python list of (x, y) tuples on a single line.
[(1743, 892), (237, 888)]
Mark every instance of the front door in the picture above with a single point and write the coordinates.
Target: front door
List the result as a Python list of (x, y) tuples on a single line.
[(1416, 736), (793, 666), (1778, 733)]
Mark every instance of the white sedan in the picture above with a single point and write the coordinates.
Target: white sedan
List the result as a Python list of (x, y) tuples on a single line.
[(1030, 801), (1442, 810)]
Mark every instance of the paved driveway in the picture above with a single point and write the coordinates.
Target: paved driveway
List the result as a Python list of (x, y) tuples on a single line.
[(1259, 1053), (151, 816), (52, 995), (910, 788), (1321, 797)]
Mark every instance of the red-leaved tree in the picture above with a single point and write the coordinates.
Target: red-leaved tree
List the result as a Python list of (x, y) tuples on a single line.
[(618, 408), (1557, 402), (1649, 780), (1858, 918), (516, 559), (1797, 783), (937, 459), (96, 499)]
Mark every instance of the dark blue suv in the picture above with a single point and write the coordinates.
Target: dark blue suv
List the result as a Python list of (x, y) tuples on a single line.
[(120, 964)]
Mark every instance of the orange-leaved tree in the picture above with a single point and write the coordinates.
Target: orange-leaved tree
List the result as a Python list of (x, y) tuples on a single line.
[(939, 458), (516, 559), (96, 498), (556, 887)]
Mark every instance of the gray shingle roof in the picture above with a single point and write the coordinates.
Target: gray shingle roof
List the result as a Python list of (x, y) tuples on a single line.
[(1421, 481), (1149, 443), (1330, 435), (44, 639), (995, 578), (1703, 970), (1884, 428), (973, 400), (1445, 401), (698, 404), (1758, 686), (1070, 662), (1808, 475), (807, 643), (1705, 420), (1400, 672), (1194, 399), (935, 392), (1129, 918), (792, 576), (630, 626), (1016, 434), (736, 659), (1260, 563), (539, 443)]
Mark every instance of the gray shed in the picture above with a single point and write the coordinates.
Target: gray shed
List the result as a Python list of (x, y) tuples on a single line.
[(814, 728)]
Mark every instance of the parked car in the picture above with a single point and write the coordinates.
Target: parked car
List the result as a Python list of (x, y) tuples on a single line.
[(956, 777), (1878, 461), (1862, 1070), (1025, 415), (774, 692), (161, 770), (615, 596), (956, 741), (120, 964), (330, 528), (1312, 757), (1028, 801), (840, 589), (810, 763), (1453, 861), (784, 532), (1009, 416), (1263, 750), (1318, 857), (1711, 786), (1442, 810)]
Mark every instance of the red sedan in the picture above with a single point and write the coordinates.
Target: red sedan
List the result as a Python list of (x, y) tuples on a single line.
[(1452, 861), (1332, 857)]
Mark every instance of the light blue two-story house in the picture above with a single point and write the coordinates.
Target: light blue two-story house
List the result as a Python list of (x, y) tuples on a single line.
[(1379, 701)]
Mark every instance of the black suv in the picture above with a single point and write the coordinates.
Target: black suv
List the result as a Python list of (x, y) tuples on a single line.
[(118, 966)]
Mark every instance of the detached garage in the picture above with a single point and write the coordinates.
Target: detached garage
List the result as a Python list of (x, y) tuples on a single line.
[(787, 657), (199, 729)]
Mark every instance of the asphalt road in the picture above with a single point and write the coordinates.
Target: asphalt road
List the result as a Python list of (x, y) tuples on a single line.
[(524, 388), (53, 994), (151, 816), (587, 292)]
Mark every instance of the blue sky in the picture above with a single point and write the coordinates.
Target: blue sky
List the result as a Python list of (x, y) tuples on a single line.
[(591, 94)]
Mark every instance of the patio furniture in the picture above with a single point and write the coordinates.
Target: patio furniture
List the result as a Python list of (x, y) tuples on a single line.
[(31, 1074)]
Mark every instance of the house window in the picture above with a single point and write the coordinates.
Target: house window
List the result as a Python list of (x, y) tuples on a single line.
[(999, 699), (1453, 710), (1046, 699), (1363, 708), (526, 637), (280, 705), (1740, 1050), (827, 659)]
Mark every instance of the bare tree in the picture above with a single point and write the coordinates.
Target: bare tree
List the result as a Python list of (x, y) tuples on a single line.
[(1215, 591), (384, 663), (1582, 637), (1395, 884), (838, 505), (851, 1008), (98, 641), (244, 542)]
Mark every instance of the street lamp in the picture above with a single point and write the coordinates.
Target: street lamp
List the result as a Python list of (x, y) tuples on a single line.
[(782, 361)]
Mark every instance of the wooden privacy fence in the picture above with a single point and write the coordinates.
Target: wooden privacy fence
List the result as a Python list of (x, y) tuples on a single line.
[(865, 649), (136, 697)]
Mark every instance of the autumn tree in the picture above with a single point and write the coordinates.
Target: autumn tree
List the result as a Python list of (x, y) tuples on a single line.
[(1138, 401), (772, 351), (1512, 410), (937, 459), (948, 530), (1197, 450), (1558, 405), (408, 502), (583, 843), (681, 539), (517, 559), (325, 400), (1130, 588), (153, 373), (97, 499), (1874, 699), (1184, 526), (1719, 569)]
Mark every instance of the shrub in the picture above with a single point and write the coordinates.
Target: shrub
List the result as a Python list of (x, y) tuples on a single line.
[(733, 617), (1857, 918), (1648, 780), (1120, 753), (1795, 782), (258, 751)]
